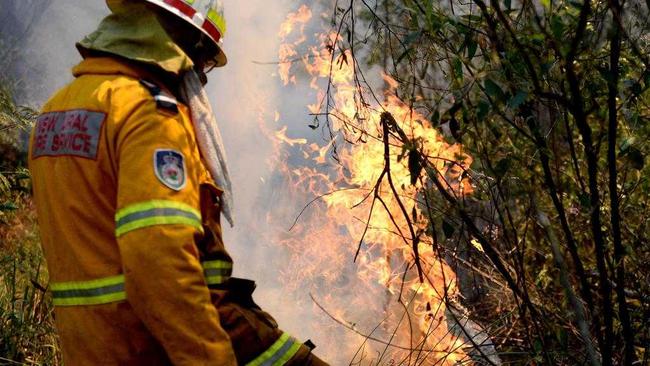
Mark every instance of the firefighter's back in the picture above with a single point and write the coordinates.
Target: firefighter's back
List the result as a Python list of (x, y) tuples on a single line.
[(73, 161)]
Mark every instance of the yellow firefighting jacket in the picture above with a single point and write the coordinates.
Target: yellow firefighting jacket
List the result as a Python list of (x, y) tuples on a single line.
[(117, 178)]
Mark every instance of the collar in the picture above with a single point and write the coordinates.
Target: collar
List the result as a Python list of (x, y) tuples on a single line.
[(108, 65)]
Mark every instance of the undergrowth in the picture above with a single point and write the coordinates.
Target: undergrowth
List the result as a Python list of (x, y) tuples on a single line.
[(27, 335)]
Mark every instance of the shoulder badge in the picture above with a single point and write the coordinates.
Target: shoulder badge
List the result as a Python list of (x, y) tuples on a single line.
[(163, 100), (169, 166)]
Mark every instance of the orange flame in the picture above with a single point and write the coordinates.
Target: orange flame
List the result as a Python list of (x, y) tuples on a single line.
[(378, 300)]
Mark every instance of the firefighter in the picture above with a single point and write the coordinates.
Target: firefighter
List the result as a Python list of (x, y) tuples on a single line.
[(130, 181)]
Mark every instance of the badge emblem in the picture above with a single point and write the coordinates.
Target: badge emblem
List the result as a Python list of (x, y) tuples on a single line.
[(169, 166)]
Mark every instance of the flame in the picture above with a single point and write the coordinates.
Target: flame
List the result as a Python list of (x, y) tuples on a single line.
[(379, 299), (288, 50), (301, 17), (282, 136)]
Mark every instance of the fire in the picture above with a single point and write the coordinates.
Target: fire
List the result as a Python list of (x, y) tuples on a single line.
[(301, 17), (375, 310), (287, 51), (282, 136)]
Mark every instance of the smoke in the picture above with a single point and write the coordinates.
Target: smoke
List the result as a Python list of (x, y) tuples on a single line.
[(40, 34), (251, 104), (246, 95)]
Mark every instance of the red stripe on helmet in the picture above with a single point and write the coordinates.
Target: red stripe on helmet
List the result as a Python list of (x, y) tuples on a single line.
[(181, 5), (212, 30)]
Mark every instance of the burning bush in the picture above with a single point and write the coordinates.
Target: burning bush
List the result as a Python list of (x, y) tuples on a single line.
[(503, 168)]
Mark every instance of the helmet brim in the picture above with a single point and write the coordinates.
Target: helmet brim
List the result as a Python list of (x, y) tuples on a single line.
[(221, 59)]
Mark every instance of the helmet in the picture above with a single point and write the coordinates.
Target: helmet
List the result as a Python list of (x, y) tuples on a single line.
[(205, 15)]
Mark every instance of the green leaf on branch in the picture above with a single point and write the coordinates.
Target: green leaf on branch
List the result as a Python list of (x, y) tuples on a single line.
[(22, 175), (457, 64), (502, 167), (493, 90), (636, 158), (537, 345), (8, 206), (585, 203), (518, 99), (482, 110), (537, 38), (632, 154), (605, 73), (627, 143), (5, 185), (471, 47), (403, 56), (448, 229), (557, 27), (435, 119), (410, 40)]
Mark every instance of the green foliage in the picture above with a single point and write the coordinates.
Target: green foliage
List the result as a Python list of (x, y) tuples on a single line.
[(14, 125), (540, 98), (27, 335)]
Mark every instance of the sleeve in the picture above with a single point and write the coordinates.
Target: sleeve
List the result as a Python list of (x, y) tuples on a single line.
[(157, 220)]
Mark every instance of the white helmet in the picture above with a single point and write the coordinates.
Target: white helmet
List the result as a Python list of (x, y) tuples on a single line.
[(206, 15)]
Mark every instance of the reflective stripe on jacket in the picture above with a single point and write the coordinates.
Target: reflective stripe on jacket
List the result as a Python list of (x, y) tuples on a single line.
[(117, 183), (279, 353)]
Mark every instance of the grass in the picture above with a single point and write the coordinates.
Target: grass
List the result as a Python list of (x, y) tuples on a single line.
[(27, 335)]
